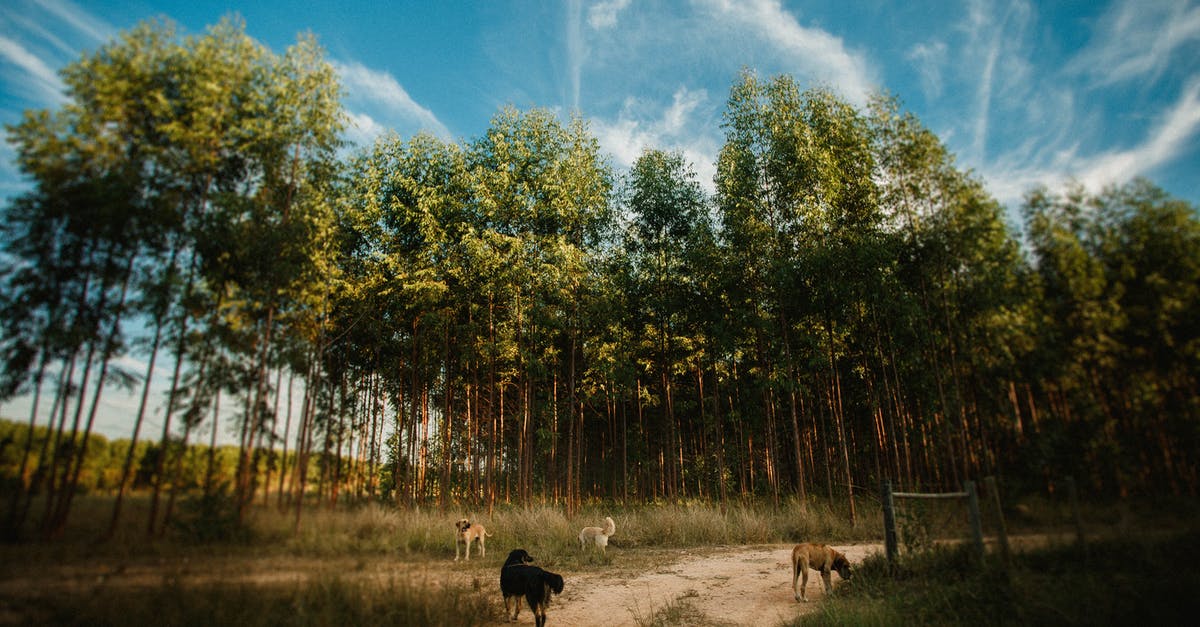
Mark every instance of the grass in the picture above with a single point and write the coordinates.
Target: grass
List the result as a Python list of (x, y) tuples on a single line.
[(1152, 580), (680, 611), (327, 600), (342, 566)]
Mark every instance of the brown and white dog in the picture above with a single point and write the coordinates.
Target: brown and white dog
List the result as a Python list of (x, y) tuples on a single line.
[(818, 557), (598, 536), (465, 533)]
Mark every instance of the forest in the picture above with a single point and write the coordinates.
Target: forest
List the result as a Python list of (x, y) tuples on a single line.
[(509, 319)]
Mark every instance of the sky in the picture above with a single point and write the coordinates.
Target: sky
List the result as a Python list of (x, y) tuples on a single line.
[(1023, 93)]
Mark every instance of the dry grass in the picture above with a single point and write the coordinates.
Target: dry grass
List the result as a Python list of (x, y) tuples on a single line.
[(344, 565)]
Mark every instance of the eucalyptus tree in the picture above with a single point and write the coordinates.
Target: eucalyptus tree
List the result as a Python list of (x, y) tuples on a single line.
[(960, 299), (217, 75), (799, 210), (407, 203), (101, 159), (1117, 352), (291, 153), (540, 189), (666, 207)]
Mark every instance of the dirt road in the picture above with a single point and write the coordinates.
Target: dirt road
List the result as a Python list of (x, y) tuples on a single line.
[(717, 586), (726, 586)]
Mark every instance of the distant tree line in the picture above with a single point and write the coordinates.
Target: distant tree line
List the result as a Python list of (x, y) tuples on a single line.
[(507, 318)]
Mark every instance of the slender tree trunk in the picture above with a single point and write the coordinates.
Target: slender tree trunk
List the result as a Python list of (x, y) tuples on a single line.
[(110, 345), (287, 430), (14, 523)]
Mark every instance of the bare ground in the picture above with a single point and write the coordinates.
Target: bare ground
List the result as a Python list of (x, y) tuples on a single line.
[(738, 585), (733, 585)]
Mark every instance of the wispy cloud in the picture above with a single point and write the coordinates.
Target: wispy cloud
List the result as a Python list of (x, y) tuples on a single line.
[(1171, 137), (83, 22), (815, 52), (1011, 175), (37, 73), (928, 58), (643, 125), (40, 36), (604, 14), (377, 101), (576, 48), (995, 54), (1136, 39)]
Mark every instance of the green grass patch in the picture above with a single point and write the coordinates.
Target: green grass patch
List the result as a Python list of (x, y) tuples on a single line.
[(1148, 581)]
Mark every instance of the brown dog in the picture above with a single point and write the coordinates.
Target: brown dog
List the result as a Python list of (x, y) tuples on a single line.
[(819, 558), (466, 533)]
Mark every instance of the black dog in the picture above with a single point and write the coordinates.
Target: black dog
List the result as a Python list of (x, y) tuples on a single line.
[(518, 578)]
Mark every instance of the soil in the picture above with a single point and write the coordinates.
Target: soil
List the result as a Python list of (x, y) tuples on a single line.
[(716, 586), (739, 585)]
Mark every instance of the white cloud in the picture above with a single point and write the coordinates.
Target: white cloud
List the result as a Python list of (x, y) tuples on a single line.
[(995, 54), (576, 49), (80, 20), (1136, 39), (1171, 138), (604, 14), (362, 129), (816, 52), (644, 125), (372, 95), (1009, 177), (929, 59), (41, 77)]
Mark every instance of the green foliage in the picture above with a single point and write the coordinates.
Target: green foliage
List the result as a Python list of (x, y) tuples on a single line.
[(504, 320), (211, 518)]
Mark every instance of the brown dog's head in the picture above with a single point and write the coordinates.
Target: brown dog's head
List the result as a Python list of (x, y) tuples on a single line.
[(841, 565), (462, 525)]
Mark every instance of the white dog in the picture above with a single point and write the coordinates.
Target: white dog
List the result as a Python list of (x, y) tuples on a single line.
[(597, 535)]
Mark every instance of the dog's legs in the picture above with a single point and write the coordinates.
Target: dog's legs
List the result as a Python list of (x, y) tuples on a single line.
[(828, 577), (456, 541), (482, 548), (802, 571), (795, 578)]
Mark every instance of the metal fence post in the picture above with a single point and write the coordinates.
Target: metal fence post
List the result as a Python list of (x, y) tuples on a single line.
[(889, 521), (974, 517), (990, 482)]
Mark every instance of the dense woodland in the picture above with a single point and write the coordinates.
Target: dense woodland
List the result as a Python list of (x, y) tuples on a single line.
[(508, 319)]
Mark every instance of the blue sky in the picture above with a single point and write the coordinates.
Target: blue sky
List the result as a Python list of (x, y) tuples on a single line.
[(1024, 93)]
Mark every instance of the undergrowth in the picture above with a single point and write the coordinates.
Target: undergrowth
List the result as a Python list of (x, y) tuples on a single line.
[(320, 601), (1145, 580)]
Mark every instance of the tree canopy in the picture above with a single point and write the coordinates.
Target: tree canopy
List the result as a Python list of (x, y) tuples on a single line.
[(507, 318)]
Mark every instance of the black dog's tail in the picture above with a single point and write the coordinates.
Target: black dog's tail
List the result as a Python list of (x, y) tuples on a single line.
[(555, 582)]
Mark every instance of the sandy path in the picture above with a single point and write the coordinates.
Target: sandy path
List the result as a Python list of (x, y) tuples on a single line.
[(732, 585), (724, 586)]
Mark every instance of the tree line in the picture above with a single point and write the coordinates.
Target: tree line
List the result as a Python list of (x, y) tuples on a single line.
[(507, 318)]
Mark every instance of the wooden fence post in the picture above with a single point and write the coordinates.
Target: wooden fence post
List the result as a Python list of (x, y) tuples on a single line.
[(990, 482), (889, 521), (1073, 497), (974, 517)]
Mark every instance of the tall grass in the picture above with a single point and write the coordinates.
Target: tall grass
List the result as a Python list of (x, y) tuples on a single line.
[(319, 601), (1150, 580)]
